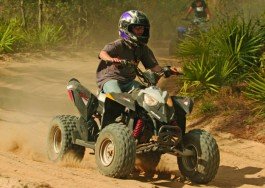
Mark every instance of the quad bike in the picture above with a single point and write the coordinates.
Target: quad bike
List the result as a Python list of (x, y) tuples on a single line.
[(196, 26), (143, 123)]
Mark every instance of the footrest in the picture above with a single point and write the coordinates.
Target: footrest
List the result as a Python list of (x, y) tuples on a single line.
[(80, 142)]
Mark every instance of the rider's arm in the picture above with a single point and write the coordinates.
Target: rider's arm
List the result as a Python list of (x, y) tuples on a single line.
[(110, 52), (189, 11), (208, 13), (106, 57)]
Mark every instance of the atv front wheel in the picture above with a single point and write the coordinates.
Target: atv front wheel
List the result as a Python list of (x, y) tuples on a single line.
[(203, 165), (59, 141), (115, 151)]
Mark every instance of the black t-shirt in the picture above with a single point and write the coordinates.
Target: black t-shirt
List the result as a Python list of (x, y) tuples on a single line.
[(199, 11), (119, 49)]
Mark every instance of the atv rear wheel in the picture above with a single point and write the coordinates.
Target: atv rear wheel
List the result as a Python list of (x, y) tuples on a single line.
[(115, 151), (203, 166), (59, 142)]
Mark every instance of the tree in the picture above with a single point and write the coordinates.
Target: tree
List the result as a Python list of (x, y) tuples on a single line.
[(22, 8), (40, 14)]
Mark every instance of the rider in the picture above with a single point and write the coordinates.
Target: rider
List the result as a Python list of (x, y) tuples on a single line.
[(200, 9), (134, 32)]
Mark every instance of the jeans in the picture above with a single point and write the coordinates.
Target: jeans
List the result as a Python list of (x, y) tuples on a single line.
[(117, 87)]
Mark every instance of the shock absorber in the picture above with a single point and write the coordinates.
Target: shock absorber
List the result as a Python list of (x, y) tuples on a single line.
[(174, 123), (182, 128), (138, 128)]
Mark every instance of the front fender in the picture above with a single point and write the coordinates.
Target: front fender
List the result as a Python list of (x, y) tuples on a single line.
[(183, 103)]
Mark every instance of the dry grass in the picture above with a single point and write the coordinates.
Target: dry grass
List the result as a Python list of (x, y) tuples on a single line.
[(231, 113)]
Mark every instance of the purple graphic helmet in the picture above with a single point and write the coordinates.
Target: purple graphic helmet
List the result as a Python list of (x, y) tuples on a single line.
[(134, 18)]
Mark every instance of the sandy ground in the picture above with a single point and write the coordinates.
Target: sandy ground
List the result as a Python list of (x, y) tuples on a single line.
[(33, 90)]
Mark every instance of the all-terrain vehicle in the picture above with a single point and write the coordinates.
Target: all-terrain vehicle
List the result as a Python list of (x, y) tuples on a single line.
[(193, 29), (143, 123)]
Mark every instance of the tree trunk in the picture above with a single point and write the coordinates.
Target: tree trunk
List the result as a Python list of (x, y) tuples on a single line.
[(79, 15), (40, 14), (22, 8)]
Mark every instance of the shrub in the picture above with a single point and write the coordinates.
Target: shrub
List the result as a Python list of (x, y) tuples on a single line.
[(7, 38), (49, 36), (256, 91)]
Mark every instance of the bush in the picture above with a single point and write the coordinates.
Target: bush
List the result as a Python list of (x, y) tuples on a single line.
[(49, 37), (7, 37), (256, 91), (207, 107), (239, 41), (230, 58)]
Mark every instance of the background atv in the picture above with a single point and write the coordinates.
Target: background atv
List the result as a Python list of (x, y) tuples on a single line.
[(194, 28), (144, 123)]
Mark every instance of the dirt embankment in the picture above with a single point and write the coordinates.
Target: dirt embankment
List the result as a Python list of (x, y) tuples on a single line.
[(33, 90)]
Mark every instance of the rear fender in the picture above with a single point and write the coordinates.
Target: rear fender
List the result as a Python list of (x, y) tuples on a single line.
[(85, 101)]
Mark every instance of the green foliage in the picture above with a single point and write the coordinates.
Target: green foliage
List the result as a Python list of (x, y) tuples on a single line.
[(224, 71), (207, 75), (228, 59), (256, 91), (207, 107), (199, 77), (239, 41), (49, 36), (90, 21), (195, 46), (7, 37), (262, 63)]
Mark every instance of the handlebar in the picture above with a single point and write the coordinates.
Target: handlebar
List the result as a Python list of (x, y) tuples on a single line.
[(166, 70), (195, 21), (149, 77)]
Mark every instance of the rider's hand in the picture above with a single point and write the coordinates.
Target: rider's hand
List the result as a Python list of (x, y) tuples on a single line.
[(115, 60), (176, 70)]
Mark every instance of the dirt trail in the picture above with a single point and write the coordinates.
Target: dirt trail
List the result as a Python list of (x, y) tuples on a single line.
[(33, 90)]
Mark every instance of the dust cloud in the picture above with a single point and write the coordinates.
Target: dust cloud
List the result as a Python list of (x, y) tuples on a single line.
[(31, 94)]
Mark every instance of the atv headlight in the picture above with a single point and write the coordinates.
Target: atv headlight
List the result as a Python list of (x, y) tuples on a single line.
[(149, 100)]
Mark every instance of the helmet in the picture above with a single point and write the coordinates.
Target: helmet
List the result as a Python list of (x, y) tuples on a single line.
[(134, 18)]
